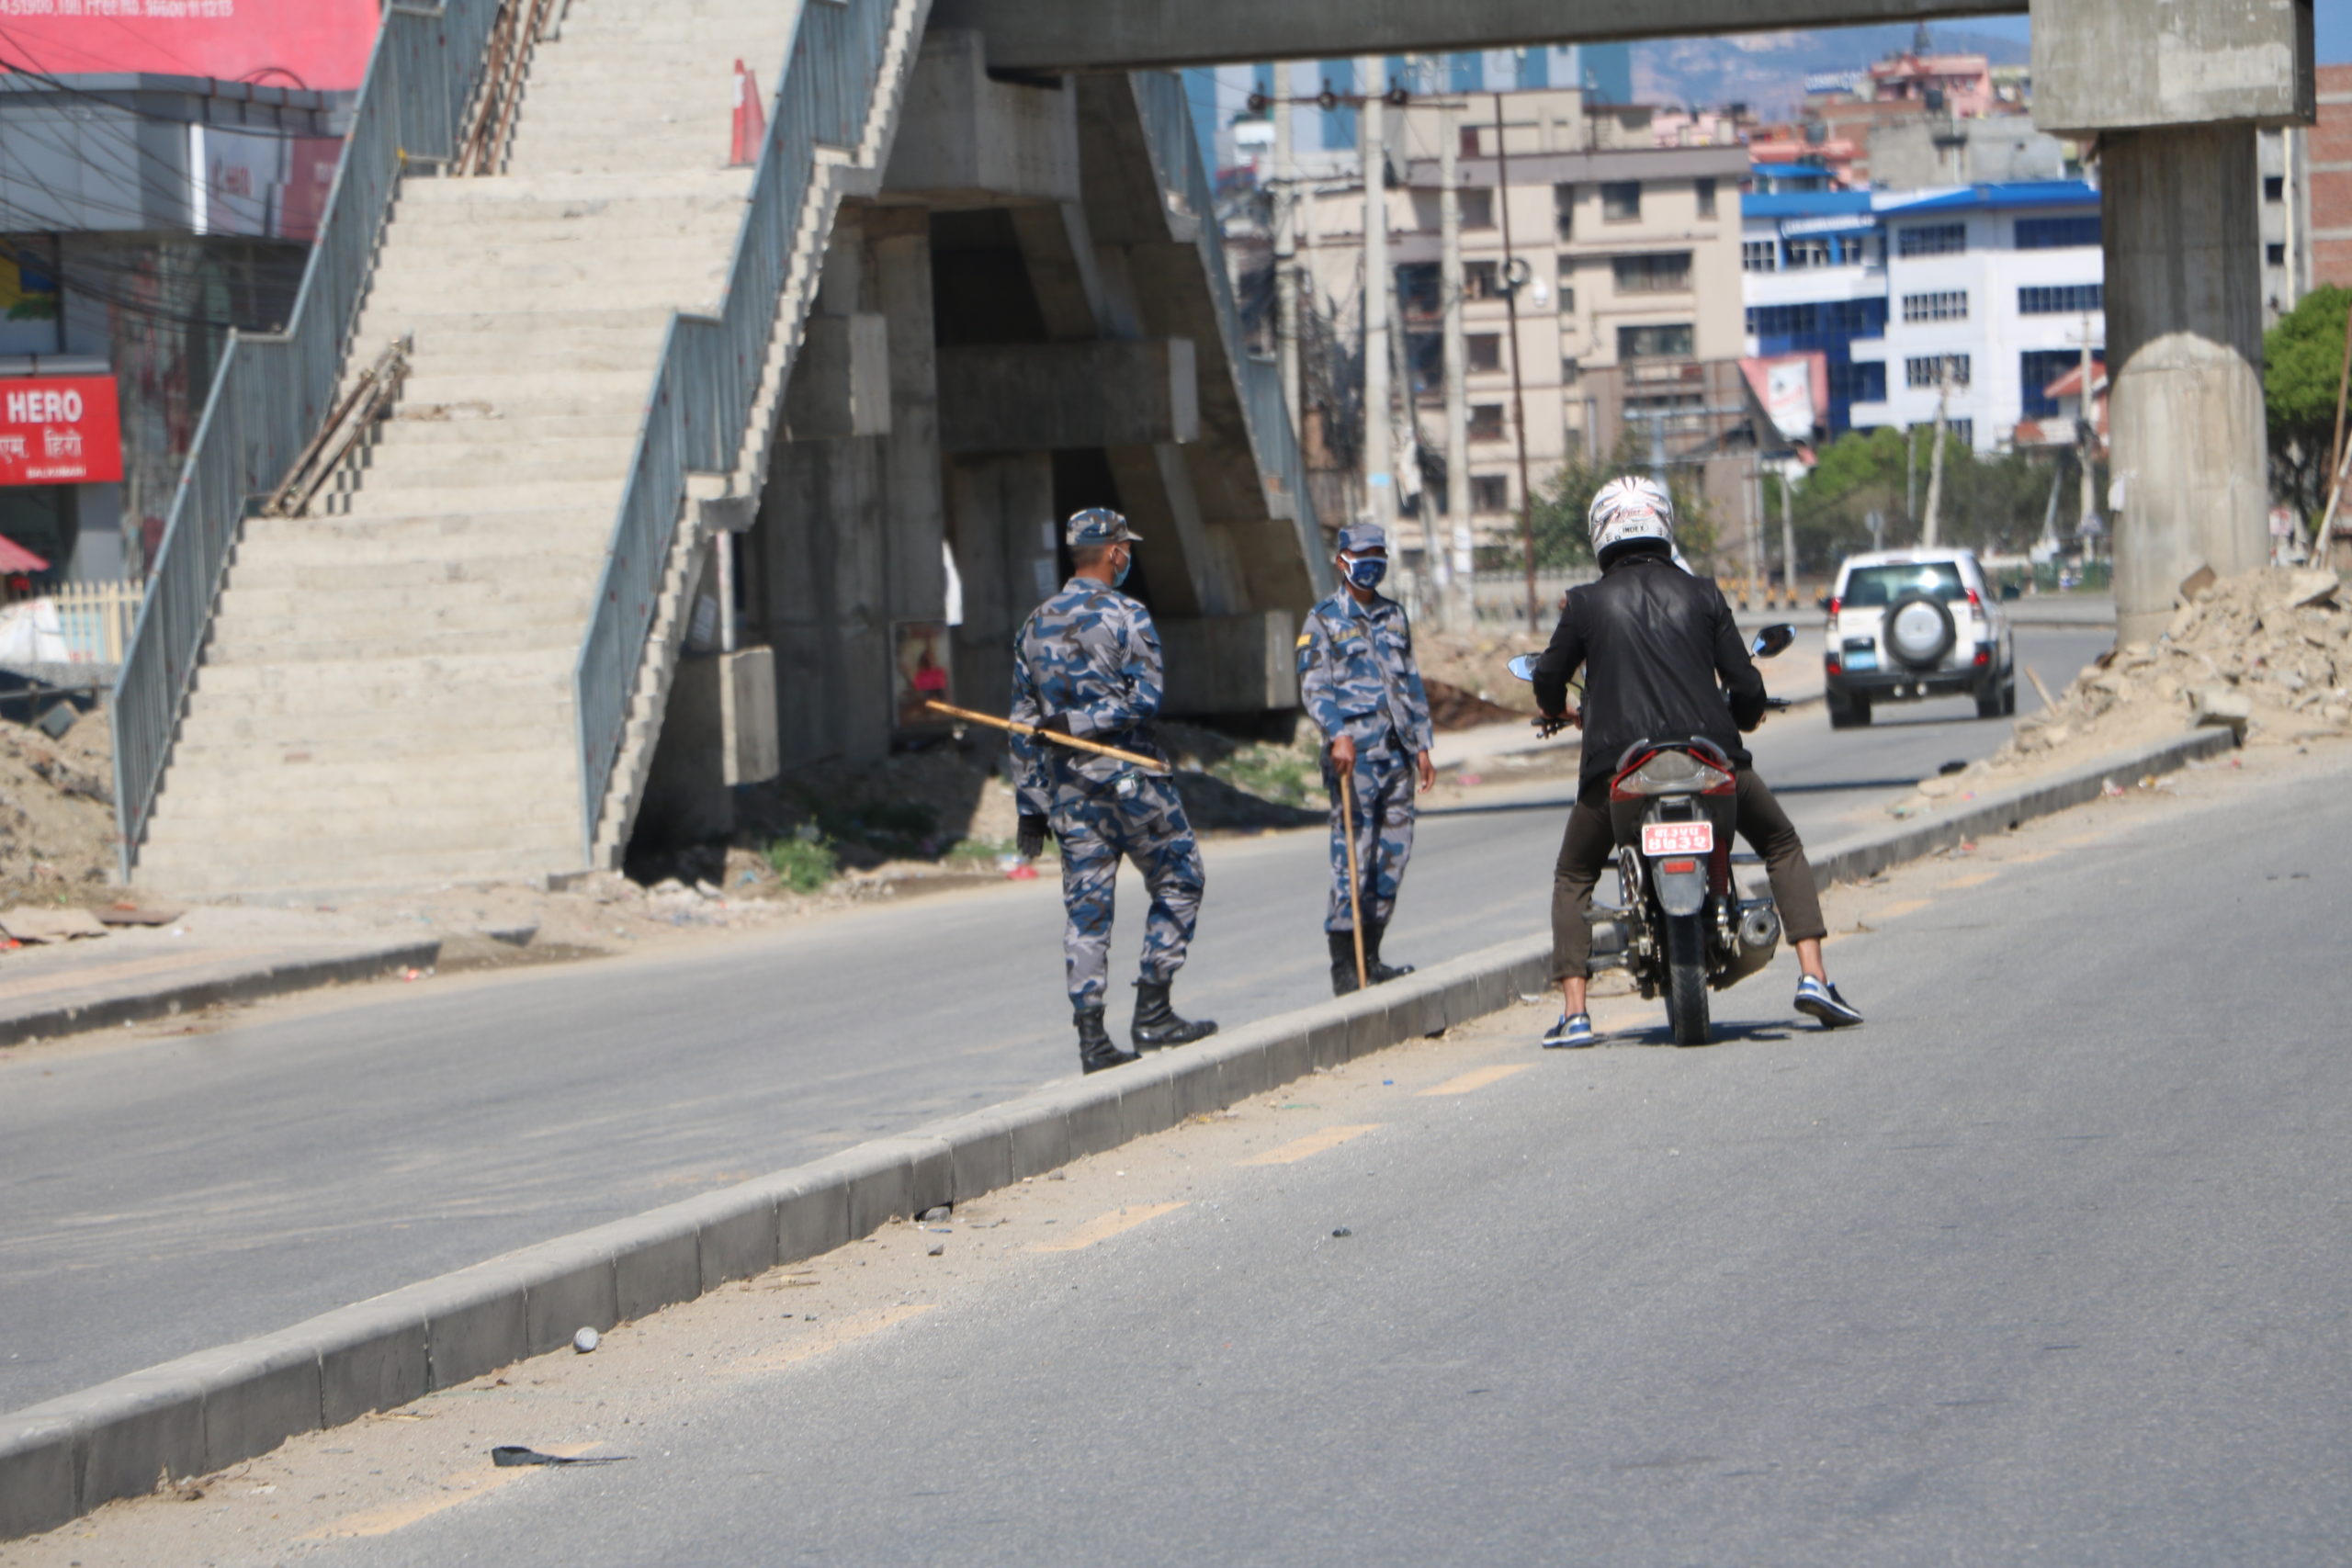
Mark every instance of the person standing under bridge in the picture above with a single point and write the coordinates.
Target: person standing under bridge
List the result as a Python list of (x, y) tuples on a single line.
[(1358, 682), (1087, 664)]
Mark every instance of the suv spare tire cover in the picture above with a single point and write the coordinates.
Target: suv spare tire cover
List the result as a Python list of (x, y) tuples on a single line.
[(1919, 630)]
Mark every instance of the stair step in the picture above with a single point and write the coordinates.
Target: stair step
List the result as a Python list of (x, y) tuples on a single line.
[(328, 682), (414, 500), (571, 186), (334, 536), (449, 466), (392, 729)]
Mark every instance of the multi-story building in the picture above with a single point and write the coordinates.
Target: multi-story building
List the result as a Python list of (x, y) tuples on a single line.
[(2327, 234), (1992, 292), (1814, 278)]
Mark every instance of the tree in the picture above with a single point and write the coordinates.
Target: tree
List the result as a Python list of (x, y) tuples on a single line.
[(2302, 364), (1993, 504)]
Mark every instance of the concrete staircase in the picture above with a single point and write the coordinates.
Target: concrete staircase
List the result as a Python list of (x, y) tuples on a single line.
[(386, 698)]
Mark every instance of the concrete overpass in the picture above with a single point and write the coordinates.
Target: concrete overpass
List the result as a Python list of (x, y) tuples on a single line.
[(2174, 92)]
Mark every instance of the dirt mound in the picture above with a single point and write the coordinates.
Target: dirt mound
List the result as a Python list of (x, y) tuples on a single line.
[(57, 829), (2267, 654), (1451, 708)]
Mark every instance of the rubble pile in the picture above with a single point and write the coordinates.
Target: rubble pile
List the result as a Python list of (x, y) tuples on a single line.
[(57, 827), (2267, 654)]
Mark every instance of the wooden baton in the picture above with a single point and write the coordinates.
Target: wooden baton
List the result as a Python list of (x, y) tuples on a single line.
[(1017, 728)]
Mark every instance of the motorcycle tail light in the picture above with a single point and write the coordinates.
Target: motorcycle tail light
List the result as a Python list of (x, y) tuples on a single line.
[(1670, 772), (1675, 866)]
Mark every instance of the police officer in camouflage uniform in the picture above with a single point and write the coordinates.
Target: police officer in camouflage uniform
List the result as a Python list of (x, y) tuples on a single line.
[(1087, 664), (1359, 683)]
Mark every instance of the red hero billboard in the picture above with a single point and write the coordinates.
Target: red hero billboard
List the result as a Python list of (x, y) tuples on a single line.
[(319, 44), (59, 430)]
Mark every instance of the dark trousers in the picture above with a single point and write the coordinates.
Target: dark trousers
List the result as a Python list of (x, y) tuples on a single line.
[(1587, 845)]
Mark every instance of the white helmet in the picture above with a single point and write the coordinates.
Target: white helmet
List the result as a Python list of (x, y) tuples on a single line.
[(1628, 511)]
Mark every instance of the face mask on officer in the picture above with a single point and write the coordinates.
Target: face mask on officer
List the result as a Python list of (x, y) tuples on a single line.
[(1126, 562), (1365, 571)]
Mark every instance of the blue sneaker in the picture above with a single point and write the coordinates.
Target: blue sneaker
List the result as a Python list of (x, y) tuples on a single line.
[(1823, 1002), (1572, 1031)]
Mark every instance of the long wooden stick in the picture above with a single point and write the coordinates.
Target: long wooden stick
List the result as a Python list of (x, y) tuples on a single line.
[(1355, 904), (1017, 728)]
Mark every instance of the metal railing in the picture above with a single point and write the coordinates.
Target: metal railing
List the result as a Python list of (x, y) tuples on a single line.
[(698, 414), (273, 390), (1185, 192)]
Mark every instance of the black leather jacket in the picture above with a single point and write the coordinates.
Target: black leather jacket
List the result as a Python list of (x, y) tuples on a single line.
[(1652, 639)]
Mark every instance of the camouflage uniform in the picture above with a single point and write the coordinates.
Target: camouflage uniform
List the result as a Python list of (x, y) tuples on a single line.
[(1091, 652), (1356, 677)]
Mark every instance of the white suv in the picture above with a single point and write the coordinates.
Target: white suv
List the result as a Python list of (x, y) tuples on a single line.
[(1910, 623)]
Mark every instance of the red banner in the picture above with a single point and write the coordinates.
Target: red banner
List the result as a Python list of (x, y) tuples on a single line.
[(320, 44), (59, 430)]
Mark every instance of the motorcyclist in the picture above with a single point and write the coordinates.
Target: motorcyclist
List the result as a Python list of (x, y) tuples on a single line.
[(1653, 640)]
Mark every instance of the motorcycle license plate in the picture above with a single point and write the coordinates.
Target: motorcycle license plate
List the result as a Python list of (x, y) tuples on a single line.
[(1678, 838)]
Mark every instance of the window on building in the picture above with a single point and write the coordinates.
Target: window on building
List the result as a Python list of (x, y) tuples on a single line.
[(2058, 299), (1425, 356), (1563, 210), (1420, 288), (1655, 342), (1621, 200), (1481, 280), (1811, 251), (1665, 272), (2035, 369), (1962, 430), (2273, 187), (1483, 350), (1564, 283), (2275, 255), (1486, 421), (1931, 240), (1477, 208), (1759, 256), (1935, 371), (1704, 190), (2057, 234), (1490, 493), (1570, 372), (1951, 305), (1469, 141), (1679, 411)]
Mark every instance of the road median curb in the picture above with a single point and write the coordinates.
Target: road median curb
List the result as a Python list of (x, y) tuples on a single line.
[(204, 1412), (143, 1000)]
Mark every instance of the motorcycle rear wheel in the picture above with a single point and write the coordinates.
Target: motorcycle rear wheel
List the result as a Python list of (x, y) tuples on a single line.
[(1686, 979)]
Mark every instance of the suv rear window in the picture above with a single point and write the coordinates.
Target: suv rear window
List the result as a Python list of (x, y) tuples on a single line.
[(1874, 587)]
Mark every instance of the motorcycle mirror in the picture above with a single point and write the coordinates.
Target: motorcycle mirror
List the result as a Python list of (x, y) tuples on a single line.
[(1524, 666), (1772, 640)]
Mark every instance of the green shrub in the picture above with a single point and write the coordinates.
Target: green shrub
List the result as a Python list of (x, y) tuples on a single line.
[(806, 861)]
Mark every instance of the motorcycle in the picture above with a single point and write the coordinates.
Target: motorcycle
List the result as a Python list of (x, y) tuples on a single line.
[(1682, 927)]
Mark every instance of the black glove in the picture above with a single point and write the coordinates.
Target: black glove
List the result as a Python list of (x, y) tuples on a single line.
[(1031, 840), (1057, 724)]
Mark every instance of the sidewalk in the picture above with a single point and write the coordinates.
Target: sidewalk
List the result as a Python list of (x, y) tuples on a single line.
[(206, 956)]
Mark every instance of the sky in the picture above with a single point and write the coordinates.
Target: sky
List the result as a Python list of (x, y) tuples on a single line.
[(2334, 30)]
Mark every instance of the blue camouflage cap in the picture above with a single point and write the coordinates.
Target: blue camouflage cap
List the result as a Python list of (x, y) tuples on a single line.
[(1357, 537), (1098, 525)]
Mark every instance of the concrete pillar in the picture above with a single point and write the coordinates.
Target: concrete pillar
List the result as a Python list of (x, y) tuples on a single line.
[(1000, 516), (2184, 335)]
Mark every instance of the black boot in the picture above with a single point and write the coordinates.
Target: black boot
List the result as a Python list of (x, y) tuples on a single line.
[(1095, 1050), (1157, 1023), (1381, 973), (1343, 962)]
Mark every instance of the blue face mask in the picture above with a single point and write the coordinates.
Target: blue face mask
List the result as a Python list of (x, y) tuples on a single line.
[(1365, 571), (1126, 562)]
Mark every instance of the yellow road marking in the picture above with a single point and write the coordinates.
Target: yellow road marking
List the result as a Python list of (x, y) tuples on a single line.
[(462, 1487), (1313, 1143), (1102, 1227), (1478, 1078), (1973, 879), (857, 1325), (1889, 912)]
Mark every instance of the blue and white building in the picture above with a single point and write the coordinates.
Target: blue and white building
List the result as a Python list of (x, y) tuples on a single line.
[(1992, 291), (1977, 298)]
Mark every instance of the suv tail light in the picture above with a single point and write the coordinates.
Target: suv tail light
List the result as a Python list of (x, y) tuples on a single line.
[(1834, 604), (1975, 606)]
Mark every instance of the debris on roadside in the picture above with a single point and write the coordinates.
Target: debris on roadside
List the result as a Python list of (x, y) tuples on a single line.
[(2266, 655)]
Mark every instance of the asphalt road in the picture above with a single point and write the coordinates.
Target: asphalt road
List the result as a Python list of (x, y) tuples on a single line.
[(163, 1197), (2046, 1264)]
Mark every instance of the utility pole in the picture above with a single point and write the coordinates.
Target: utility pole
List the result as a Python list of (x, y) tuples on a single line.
[(1518, 394), (1758, 520), (1788, 542), (1910, 476), (1371, 147), (1457, 405), (1927, 536), (1285, 252)]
